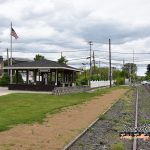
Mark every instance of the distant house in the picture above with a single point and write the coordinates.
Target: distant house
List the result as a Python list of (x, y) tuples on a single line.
[(1, 65), (16, 60), (46, 74)]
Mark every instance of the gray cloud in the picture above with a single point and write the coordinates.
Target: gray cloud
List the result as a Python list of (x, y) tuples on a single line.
[(3, 1), (119, 33), (4, 22), (57, 26)]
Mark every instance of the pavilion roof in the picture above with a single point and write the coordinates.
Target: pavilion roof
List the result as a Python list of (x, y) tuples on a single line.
[(41, 64)]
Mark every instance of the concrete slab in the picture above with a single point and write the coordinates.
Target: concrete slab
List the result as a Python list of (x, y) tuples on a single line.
[(5, 91)]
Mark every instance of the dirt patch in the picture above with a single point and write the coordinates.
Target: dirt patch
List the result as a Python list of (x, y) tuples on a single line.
[(58, 129)]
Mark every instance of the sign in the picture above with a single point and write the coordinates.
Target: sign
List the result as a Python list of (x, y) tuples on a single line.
[(44, 70)]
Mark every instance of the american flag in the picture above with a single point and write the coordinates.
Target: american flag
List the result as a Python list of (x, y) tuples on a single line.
[(13, 33)]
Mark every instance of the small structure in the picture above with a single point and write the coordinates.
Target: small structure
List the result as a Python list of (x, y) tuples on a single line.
[(42, 75)]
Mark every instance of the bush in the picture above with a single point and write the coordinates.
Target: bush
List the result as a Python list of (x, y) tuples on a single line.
[(83, 81), (5, 80), (20, 80), (95, 77), (120, 81), (117, 146)]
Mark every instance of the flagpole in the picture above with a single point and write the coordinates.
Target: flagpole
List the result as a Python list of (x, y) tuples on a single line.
[(11, 53), (8, 60)]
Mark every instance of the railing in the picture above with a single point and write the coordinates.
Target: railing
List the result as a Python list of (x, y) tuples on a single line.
[(67, 90), (95, 84)]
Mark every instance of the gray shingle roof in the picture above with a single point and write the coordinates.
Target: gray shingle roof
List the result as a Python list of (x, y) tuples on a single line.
[(41, 64)]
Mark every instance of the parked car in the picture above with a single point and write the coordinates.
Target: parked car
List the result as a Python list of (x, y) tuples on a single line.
[(145, 82)]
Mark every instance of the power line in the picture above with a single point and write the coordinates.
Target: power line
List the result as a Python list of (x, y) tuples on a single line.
[(82, 50)]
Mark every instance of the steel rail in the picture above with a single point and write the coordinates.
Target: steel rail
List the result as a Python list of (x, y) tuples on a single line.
[(136, 119)]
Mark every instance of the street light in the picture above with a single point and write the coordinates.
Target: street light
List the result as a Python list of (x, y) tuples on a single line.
[(84, 68), (90, 43)]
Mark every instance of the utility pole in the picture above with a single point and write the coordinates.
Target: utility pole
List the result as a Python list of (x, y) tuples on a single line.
[(84, 69), (133, 67), (110, 77), (94, 61), (123, 71), (11, 79), (8, 60), (123, 62), (61, 54), (130, 73), (99, 62), (90, 43), (133, 56), (7, 57)]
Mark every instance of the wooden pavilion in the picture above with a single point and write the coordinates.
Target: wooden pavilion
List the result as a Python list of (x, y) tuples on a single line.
[(42, 75)]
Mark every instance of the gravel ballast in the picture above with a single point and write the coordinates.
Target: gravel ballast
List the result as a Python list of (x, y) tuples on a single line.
[(104, 134)]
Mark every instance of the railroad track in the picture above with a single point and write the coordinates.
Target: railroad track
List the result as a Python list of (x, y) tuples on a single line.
[(135, 126), (136, 118), (138, 132)]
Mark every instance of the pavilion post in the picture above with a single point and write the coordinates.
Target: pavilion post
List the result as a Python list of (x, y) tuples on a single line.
[(27, 76), (73, 79), (46, 78), (56, 77), (35, 72), (39, 75), (16, 76), (63, 78), (72, 76)]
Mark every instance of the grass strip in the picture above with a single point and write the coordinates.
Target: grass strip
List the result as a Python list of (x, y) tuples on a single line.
[(29, 108)]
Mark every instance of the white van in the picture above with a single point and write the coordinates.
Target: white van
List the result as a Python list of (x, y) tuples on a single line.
[(145, 82)]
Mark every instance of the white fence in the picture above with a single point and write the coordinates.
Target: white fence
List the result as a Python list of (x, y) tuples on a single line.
[(95, 84)]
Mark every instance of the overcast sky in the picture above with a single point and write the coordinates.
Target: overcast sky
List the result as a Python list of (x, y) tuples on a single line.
[(52, 26)]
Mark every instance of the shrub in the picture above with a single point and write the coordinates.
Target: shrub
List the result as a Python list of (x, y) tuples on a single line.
[(83, 81), (5, 80), (120, 81)]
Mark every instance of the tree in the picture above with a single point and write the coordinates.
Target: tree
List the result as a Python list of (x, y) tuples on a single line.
[(38, 57), (129, 69), (148, 69), (62, 60), (148, 72)]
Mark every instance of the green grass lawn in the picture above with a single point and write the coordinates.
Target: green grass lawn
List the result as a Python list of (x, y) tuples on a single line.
[(29, 108)]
